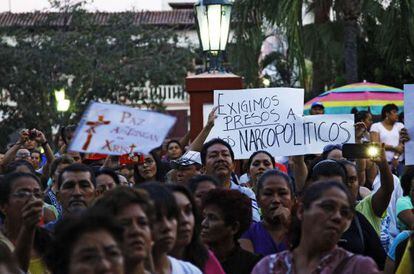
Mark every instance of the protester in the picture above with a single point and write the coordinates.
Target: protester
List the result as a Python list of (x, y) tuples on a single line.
[(317, 108), (186, 167), (76, 190), (275, 199), (258, 163), (218, 160), (391, 264), (135, 212), (86, 244), (22, 205), (200, 185), (106, 179), (188, 246), (404, 208), (360, 237), (226, 216), (174, 150), (165, 231), (388, 132), (149, 170), (324, 212), (55, 169), (332, 152)]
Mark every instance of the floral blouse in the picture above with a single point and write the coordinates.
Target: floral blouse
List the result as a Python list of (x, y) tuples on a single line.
[(337, 261)]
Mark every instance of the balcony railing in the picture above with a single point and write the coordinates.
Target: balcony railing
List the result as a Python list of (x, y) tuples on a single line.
[(169, 94)]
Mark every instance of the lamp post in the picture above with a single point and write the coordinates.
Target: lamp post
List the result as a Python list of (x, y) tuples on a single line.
[(62, 103), (213, 26)]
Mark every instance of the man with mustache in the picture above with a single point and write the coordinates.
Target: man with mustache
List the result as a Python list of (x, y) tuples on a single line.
[(218, 161), (76, 190)]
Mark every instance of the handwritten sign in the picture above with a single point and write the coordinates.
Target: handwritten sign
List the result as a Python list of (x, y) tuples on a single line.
[(117, 130), (271, 119), (409, 122)]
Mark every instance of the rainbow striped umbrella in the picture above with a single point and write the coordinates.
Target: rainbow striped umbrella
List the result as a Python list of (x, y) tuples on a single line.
[(360, 95)]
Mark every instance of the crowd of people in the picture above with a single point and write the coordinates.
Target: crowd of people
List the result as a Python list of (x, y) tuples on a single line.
[(190, 207)]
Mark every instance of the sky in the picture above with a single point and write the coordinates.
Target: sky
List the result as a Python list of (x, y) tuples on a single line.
[(101, 5)]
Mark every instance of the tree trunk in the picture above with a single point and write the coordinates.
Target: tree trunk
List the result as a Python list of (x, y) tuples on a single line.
[(351, 51), (320, 64), (351, 10)]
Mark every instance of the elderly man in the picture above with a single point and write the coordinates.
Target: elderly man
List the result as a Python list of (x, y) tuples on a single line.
[(186, 167), (218, 160)]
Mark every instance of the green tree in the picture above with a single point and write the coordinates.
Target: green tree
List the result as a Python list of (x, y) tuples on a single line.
[(105, 61), (348, 41)]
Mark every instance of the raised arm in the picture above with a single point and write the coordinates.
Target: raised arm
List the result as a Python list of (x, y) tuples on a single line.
[(300, 172), (11, 153), (381, 198), (198, 142), (31, 215)]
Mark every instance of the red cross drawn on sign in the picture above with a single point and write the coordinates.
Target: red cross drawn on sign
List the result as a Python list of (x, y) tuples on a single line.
[(91, 130)]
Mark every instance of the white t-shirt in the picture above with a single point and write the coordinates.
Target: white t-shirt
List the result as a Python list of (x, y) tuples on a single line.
[(182, 267), (389, 137), (249, 193)]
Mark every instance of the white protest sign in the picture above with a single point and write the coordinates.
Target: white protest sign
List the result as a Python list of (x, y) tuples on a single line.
[(409, 122), (117, 130), (271, 119), (321, 130)]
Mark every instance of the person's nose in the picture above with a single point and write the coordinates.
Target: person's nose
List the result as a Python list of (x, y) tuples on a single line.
[(184, 218), (77, 191), (204, 223), (336, 216), (166, 224), (276, 199)]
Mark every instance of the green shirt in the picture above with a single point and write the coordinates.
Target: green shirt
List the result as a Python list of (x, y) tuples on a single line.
[(365, 208)]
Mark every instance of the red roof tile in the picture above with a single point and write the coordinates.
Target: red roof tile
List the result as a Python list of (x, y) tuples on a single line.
[(183, 17)]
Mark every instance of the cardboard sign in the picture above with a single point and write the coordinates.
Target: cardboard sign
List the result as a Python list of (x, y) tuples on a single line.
[(117, 130), (271, 119), (409, 123)]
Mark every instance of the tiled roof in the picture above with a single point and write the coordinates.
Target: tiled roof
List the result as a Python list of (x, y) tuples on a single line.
[(181, 17)]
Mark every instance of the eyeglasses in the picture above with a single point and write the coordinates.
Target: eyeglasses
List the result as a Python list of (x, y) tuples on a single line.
[(24, 194)]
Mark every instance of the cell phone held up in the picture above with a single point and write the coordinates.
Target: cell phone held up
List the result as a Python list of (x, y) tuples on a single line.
[(361, 151)]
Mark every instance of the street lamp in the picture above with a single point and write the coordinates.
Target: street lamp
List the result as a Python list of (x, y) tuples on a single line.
[(213, 26), (62, 103)]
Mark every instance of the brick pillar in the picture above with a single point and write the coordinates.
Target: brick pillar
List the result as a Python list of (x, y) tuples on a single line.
[(201, 89)]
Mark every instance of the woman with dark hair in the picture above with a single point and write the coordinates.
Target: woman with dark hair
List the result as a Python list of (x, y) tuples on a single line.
[(388, 132), (86, 244), (164, 231), (200, 185), (174, 150), (106, 179), (275, 199), (361, 237), (227, 214), (22, 205), (258, 163), (188, 246), (150, 169), (405, 215), (133, 209), (324, 212)]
